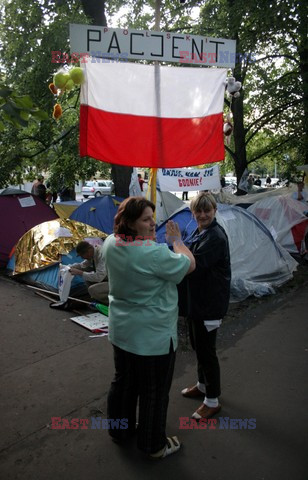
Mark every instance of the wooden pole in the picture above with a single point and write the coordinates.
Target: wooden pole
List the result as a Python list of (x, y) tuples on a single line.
[(55, 293)]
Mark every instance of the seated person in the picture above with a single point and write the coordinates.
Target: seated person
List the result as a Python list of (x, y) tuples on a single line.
[(93, 271)]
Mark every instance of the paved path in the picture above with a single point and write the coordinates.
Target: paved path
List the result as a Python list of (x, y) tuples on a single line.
[(51, 368)]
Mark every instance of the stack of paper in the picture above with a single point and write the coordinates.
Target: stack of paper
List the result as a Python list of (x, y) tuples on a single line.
[(95, 322)]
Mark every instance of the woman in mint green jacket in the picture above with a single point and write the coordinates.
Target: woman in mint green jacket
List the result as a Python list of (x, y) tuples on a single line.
[(143, 315)]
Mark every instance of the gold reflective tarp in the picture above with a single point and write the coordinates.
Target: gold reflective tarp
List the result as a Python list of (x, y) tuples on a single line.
[(44, 244)]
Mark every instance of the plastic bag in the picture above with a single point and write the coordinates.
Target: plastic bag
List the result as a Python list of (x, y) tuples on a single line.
[(242, 289), (64, 282), (243, 183)]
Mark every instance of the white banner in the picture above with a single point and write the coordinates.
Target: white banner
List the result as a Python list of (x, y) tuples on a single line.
[(116, 44), (188, 179)]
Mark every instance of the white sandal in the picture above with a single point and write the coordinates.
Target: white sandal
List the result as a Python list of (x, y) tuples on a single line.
[(172, 446)]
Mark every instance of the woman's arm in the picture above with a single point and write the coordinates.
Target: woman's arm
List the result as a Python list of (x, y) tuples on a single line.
[(174, 238)]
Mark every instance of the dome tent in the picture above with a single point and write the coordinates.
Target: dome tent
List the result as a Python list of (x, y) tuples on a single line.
[(258, 263), (285, 219), (19, 212), (98, 212)]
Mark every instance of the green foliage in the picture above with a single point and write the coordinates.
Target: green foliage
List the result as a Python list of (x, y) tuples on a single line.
[(17, 110), (270, 117), (29, 32), (139, 14)]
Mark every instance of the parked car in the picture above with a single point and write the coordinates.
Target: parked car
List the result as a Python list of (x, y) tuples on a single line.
[(95, 188), (230, 184)]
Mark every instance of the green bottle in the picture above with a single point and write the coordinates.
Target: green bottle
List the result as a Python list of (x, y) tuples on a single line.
[(101, 308)]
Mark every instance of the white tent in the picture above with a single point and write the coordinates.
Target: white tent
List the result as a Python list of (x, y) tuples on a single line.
[(285, 219), (166, 205), (228, 198), (258, 263), (166, 202)]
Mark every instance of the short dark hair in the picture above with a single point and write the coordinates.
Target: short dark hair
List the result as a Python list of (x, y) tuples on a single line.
[(129, 211), (83, 247)]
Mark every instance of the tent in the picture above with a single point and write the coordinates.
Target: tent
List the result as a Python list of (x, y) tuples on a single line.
[(11, 191), (98, 212), (185, 221), (166, 204), (39, 252), (19, 212), (47, 277), (285, 219), (65, 209), (228, 198), (258, 263)]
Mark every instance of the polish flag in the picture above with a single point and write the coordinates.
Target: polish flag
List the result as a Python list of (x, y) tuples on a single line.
[(152, 115)]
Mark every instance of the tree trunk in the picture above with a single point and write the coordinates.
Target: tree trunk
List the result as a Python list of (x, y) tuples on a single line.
[(303, 67), (95, 10), (240, 160), (121, 176), (237, 105)]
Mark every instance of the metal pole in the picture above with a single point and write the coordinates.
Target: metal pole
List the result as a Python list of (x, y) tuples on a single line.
[(153, 175), (157, 15)]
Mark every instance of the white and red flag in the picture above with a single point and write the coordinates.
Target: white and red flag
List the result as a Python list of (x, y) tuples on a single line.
[(152, 115)]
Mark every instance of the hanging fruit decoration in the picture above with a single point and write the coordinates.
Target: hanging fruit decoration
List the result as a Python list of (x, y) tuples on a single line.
[(53, 88), (57, 111), (64, 81)]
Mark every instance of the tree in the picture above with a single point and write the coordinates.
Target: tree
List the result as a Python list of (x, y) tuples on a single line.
[(95, 10), (30, 31), (274, 93), (270, 116)]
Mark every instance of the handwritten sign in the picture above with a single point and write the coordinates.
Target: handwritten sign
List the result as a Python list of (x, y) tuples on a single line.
[(27, 202), (188, 179)]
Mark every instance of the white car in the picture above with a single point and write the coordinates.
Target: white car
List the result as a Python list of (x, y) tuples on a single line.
[(96, 188)]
